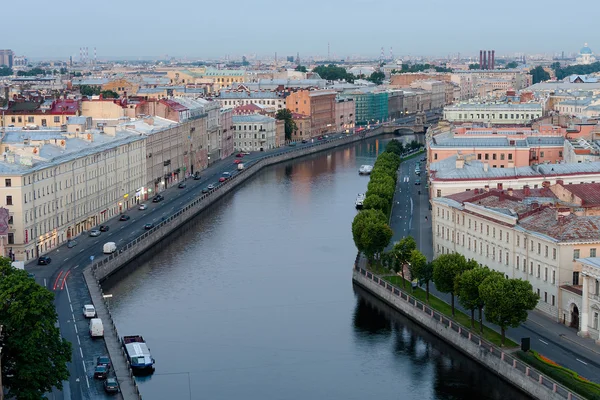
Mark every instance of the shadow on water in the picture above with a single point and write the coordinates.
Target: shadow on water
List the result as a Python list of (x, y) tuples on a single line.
[(453, 374)]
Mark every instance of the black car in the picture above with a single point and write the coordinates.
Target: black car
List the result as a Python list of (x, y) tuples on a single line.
[(149, 226), (104, 228), (101, 371), (124, 217), (43, 260), (197, 177), (111, 385), (157, 198), (205, 190), (304, 141), (182, 185), (103, 360)]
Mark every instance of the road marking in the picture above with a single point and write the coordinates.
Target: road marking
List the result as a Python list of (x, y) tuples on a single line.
[(75, 267), (81, 251), (583, 362), (76, 330), (543, 341), (73, 316), (57, 279), (81, 352), (78, 341), (71, 305), (84, 368), (87, 380), (66, 259), (64, 282), (96, 242), (122, 227), (45, 284)]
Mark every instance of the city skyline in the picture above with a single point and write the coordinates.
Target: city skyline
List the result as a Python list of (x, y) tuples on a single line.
[(341, 32)]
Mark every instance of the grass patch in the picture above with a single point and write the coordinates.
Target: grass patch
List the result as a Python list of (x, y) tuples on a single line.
[(378, 269), (562, 375), (445, 308)]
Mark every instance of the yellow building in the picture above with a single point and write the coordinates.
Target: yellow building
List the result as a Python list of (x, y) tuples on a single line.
[(214, 79), (122, 86)]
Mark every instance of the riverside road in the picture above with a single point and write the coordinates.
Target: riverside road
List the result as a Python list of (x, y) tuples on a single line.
[(253, 300)]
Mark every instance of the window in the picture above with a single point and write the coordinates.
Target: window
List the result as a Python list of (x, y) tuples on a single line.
[(554, 254), (538, 271), (9, 201), (597, 292), (546, 251), (57, 119), (546, 297), (487, 156), (546, 274), (553, 277), (30, 120), (11, 238), (479, 156), (524, 264), (510, 156), (539, 248), (518, 263), (531, 268), (500, 234), (435, 156), (553, 300), (575, 254), (7, 182), (595, 322), (592, 252), (494, 156), (575, 278), (502, 156), (541, 154), (518, 240)]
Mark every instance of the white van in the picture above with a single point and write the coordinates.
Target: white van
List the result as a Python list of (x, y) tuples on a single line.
[(96, 328), (110, 247)]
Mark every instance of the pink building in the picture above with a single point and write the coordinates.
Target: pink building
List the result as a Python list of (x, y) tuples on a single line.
[(226, 127), (344, 115)]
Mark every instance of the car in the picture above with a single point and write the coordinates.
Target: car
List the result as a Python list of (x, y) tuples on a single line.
[(149, 226), (246, 153), (101, 372), (103, 360), (304, 141), (95, 232), (104, 228), (423, 159), (222, 179), (320, 138), (237, 161), (124, 217), (205, 190), (111, 385), (239, 155), (197, 176), (43, 260), (30, 275), (182, 185), (417, 181), (226, 175), (89, 311), (142, 207), (210, 187), (71, 244), (157, 198)]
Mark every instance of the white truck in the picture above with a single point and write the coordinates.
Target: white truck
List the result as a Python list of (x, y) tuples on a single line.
[(109, 247), (240, 166)]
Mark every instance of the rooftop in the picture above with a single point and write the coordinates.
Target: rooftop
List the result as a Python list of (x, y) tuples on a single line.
[(471, 142), (254, 118)]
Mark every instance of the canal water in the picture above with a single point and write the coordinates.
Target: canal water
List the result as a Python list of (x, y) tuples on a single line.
[(254, 300)]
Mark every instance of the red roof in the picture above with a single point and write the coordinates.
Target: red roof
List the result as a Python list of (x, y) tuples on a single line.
[(65, 106), (173, 105), (589, 193)]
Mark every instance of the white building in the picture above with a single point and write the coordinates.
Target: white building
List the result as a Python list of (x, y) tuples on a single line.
[(587, 299), (56, 184), (241, 96), (253, 132), (586, 56), (492, 113)]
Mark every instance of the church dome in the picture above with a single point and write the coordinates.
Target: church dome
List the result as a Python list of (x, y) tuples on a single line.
[(585, 49)]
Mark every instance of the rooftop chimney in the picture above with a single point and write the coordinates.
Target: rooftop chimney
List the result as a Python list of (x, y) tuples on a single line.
[(526, 190), (510, 191), (499, 186), (486, 166), (476, 191), (460, 163), (487, 188), (560, 182)]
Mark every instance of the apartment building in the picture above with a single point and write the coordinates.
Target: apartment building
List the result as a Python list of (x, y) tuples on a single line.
[(584, 302), (493, 113), (46, 114), (531, 234), (344, 115), (319, 105), (468, 80), (269, 100), (254, 132), (55, 185)]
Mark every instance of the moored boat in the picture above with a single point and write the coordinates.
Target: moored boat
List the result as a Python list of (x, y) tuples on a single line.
[(138, 354), (359, 201), (365, 169)]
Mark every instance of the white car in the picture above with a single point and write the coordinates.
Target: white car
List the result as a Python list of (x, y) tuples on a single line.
[(89, 311), (142, 207), (95, 233)]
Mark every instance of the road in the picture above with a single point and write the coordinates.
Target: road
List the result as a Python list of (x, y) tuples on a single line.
[(550, 339), (65, 278)]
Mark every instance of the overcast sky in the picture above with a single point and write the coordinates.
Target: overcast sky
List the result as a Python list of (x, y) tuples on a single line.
[(207, 29)]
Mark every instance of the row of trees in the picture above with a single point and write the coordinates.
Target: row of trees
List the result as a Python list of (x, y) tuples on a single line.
[(563, 72), (34, 356), (87, 90), (539, 74), (419, 68)]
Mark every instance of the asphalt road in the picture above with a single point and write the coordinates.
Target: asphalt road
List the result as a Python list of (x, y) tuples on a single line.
[(64, 275), (408, 218)]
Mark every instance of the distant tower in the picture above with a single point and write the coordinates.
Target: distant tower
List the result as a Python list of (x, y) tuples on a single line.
[(298, 58), (328, 52), (87, 55), (391, 54), (275, 58), (95, 56), (81, 54), (382, 56)]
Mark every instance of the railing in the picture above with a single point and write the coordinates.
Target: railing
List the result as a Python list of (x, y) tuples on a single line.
[(252, 166), (465, 333)]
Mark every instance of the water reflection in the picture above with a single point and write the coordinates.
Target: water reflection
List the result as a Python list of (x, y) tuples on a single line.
[(451, 374)]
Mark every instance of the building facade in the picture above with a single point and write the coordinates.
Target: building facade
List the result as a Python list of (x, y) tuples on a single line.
[(254, 132), (371, 107), (319, 105), (344, 115), (47, 114), (497, 114)]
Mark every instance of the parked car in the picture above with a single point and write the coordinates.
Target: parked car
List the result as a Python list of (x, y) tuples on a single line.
[(205, 190), (148, 226), (246, 153), (103, 360), (43, 260), (304, 141), (182, 185), (111, 385), (226, 175), (95, 232), (237, 161), (142, 207), (124, 217), (89, 311), (210, 187), (196, 176), (417, 181), (239, 155), (71, 244), (104, 228), (157, 198), (101, 372)]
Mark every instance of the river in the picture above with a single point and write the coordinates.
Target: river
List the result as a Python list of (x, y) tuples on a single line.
[(254, 300)]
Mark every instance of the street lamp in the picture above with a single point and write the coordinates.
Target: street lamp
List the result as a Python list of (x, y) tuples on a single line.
[(106, 297)]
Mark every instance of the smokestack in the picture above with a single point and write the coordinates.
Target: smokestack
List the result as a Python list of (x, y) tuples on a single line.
[(484, 59), (480, 59), (493, 59), (489, 63)]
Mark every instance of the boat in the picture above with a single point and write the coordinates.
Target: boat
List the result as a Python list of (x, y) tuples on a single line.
[(365, 169), (359, 201), (138, 354)]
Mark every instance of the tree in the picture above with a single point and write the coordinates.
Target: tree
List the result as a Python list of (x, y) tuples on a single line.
[(87, 90), (5, 71), (395, 146), (511, 65), (507, 301), (360, 223), (467, 289), (418, 263), (109, 94), (333, 73), (539, 74), (445, 270), (374, 202), (375, 237), (377, 77), (402, 251), (34, 356), (290, 126), (301, 68), (474, 66), (381, 189)]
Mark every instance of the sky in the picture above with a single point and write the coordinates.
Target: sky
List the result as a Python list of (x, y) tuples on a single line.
[(201, 29)]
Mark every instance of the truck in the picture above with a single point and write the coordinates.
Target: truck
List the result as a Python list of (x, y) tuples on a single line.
[(109, 247), (240, 166)]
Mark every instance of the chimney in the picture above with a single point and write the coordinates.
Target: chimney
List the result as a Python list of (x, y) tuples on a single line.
[(486, 166), (526, 190), (487, 188), (460, 163), (510, 191), (560, 182), (560, 219), (476, 191), (484, 59), (546, 184), (489, 59), (493, 59), (480, 59), (499, 186)]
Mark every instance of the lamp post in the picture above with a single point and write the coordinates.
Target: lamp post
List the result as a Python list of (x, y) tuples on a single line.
[(107, 297)]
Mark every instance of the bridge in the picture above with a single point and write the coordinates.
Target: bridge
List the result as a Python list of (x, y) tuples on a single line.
[(419, 124)]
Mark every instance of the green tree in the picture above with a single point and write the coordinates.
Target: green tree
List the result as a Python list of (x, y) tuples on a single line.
[(383, 190), (5, 71), (539, 74), (402, 252), (507, 301), (511, 65), (290, 125), (109, 94), (87, 90), (332, 72), (418, 262), (377, 77), (34, 356), (374, 202), (467, 289), (301, 68), (474, 66), (361, 221), (375, 237), (395, 146), (445, 270)]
